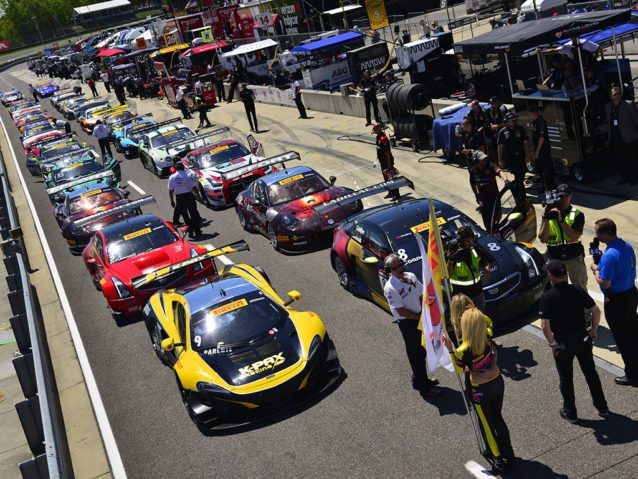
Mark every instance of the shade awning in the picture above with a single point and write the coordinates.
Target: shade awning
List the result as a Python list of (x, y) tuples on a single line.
[(208, 47), (328, 42), (173, 48), (345, 8), (109, 52), (523, 36), (251, 47), (140, 52)]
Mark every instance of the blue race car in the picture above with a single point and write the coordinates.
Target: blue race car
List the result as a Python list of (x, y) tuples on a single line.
[(127, 138), (65, 178), (46, 89)]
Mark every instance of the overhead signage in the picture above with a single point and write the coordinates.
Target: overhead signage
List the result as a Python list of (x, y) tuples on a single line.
[(377, 14), (207, 35), (290, 15), (372, 57), (264, 20), (410, 54)]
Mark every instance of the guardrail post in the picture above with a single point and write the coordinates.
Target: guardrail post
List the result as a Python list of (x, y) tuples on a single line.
[(35, 468), (26, 374), (21, 332), (31, 420), (16, 300)]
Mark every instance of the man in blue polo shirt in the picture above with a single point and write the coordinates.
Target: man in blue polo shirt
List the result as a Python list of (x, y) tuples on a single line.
[(616, 275)]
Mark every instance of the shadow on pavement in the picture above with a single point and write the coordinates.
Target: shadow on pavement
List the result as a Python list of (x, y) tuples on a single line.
[(534, 470), (615, 429), (450, 402), (514, 363)]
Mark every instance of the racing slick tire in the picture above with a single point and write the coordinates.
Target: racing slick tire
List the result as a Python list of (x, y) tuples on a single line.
[(156, 341), (345, 276), (243, 221), (204, 198), (272, 236)]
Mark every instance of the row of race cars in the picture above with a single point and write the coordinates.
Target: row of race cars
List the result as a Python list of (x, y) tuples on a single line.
[(239, 351)]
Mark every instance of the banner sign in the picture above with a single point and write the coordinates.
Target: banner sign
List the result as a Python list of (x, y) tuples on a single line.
[(372, 57), (264, 20), (207, 35), (376, 14), (290, 15), (190, 22)]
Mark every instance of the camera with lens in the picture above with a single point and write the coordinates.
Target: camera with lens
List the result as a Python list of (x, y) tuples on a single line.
[(552, 200), (594, 250)]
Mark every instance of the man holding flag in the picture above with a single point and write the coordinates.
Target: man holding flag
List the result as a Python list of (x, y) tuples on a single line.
[(404, 293)]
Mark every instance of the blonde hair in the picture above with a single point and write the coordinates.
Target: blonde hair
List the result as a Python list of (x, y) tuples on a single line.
[(460, 303), (474, 330)]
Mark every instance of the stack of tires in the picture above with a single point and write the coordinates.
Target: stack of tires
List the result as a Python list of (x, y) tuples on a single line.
[(403, 100)]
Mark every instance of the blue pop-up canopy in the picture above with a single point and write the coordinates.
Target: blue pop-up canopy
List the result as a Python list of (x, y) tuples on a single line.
[(343, 38)]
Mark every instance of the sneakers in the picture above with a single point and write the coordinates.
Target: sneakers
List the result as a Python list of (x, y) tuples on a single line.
[(603, 412), (570, 417), (625, 381)]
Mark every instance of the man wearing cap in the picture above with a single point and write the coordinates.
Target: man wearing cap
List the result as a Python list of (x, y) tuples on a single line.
[(623, 136), (369, 88), (542, 148), (385, 158), (513, 152), (563, 309), (495, 119), (181, 187), (561, 229), (472, 139), (483, 175), (181, 102)]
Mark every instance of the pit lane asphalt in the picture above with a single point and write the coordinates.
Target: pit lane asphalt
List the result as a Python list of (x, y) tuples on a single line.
[(374, 424)]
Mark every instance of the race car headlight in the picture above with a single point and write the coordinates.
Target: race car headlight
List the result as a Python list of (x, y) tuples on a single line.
[(532, 269), (215, 183), (314, 346), (197, 266), (289, 222), (211, 389), (122, 290)]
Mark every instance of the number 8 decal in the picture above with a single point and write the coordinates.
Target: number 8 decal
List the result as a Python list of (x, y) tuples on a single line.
[(493, 246), (402, 254)]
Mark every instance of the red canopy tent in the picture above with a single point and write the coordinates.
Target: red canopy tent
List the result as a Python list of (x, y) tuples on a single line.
[(109, 52)]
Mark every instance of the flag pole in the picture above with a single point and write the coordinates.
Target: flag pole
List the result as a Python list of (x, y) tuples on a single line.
[(446, 282)]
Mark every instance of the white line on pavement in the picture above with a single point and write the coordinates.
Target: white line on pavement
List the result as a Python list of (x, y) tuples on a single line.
[(136, 188), (115, 460), (477, 470), (223, 258)]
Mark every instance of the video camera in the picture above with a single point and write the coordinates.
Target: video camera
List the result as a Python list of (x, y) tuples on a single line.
[(552, 200), (594, 250)]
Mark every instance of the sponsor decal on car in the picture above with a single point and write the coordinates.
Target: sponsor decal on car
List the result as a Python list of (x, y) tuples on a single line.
[(136, 234), (169, 132), (240, 303), (290, 180), (264, 365), (426, 226), (217, 149), (90, 193)]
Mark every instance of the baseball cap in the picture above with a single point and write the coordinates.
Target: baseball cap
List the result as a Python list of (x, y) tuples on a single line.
[(478, 155), (564, 189), (511, 116), (493, 99), (556, 268), (179, 166)]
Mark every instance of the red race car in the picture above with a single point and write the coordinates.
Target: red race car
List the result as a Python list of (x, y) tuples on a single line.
[(119, 253)]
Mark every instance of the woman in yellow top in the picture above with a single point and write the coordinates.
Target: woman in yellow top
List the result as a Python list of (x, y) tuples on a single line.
[(460, 303), (477, 355)]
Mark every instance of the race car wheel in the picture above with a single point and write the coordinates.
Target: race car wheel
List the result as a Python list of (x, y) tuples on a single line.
[(272, 236), (243, 221), (204, 197), (156, 170), (156, 338), (345, 279)]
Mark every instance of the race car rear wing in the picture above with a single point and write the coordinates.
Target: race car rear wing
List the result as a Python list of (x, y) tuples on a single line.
[(158, 273), (80, 181), (70, 156), (57, 138), (155, 126), (273, 160), (122, 123), (118, 209), (193, 139), (399, 182)]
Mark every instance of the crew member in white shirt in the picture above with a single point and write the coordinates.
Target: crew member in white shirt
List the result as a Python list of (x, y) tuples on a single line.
[(180, 189), (102, 133)]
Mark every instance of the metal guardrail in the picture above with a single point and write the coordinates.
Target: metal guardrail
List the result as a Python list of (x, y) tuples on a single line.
[(40, 412)]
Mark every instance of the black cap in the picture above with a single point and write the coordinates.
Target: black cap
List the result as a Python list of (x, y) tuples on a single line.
[(511, 116), (534, 108), (556, 268), (493, 99), (179, 166), (564, 189)]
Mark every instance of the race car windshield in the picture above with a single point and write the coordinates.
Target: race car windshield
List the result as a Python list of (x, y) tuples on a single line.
[(171, 136), (235, 322), (135, 131), (295, 187), (92, 200), (223, 154), (78, 170), (119, 117), (51, 152), (145, 239)]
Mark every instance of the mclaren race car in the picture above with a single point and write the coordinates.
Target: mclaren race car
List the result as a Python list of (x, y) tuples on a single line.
[(140, 247), (66, 177), (126, 136), (46, 88), (362, 242), (240, 353), (280, 206)]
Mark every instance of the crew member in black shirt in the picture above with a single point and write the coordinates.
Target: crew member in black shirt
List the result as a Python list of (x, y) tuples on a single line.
[(247, 96), (369, 88), (385, 158), (542, 148), (472, 140), (483, 175), (513, 153), (478, 116), (562, 313), (495, 120)]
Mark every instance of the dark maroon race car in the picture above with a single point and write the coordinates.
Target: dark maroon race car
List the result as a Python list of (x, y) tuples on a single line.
[(279, 206)]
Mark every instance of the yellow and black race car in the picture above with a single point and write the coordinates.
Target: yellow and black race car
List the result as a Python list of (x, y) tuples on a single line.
[(239, 352)]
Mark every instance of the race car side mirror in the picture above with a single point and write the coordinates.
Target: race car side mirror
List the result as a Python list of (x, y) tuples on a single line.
[(169, 344), (333, 180), (371, 260), (515, 216), (294, 295)]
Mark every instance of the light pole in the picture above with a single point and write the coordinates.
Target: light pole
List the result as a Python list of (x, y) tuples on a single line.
[(38, 29)]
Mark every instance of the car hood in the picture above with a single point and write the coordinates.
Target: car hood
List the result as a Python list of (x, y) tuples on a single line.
[(231, 165), (302, 207), (146, 262)]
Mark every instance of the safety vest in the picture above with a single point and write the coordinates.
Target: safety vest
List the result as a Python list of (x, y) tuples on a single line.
[(556, 235), (464, 274)]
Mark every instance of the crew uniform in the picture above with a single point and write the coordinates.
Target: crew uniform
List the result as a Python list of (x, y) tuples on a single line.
[(386, 160), (483, 182), (544, 161), (465, 275), (564, 306), (369, 87), (102, 133), (181, 183), (561, 247), (513, 141), (472, 140), (487, 399)]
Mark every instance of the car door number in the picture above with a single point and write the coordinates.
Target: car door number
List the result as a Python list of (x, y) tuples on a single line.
[(402, 254), (493, 246)]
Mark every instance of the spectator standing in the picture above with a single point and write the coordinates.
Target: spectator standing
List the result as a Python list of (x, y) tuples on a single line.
[(561, 230), (616, 275), (181, 102), (34, 93), (91, 83), (104, 76), (562, 312), (623, 136), (247, 96), (200, 106), (219, 83), (102, 133)]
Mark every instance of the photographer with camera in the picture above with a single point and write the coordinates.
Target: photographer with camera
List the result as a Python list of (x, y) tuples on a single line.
[(616, 275), (464, 265), (561, 229), (404, 293)]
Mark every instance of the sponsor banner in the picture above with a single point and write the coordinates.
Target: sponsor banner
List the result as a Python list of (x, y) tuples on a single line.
[(290, 15), (274, 95), (376, 14), (372, 57), (409, 55), (327, 77), (207, 35), (190, 22)]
